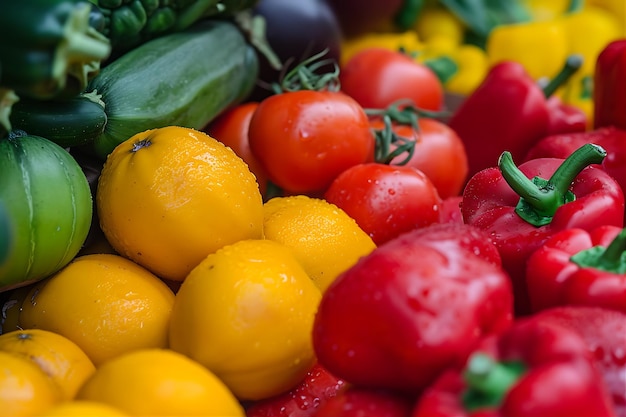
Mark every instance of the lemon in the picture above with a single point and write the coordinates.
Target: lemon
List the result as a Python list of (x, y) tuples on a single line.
[(323, 237)]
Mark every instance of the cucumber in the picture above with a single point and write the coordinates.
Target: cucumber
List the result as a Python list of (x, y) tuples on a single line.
[(185, 79), (73, 122)]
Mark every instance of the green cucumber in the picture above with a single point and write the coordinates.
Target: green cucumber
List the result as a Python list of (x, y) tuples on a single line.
[(72, 122), (185, 79)]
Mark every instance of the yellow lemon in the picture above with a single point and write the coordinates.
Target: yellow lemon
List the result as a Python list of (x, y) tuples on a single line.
[(246, 313), (24, 389), (168, 197), (323, 237), (57, 356), (160, 382), (104, 303), (81, 408)]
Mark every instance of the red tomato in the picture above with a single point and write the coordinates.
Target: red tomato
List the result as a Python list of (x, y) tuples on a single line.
[(304, 139), (439, 153), (231, 128), (378, 77), (386, 200)]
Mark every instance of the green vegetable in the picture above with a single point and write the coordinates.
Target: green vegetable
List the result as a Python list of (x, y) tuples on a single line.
[(185, 78), (6, 236), (48, 47), (73, 122), (48, 201), (131, 23)]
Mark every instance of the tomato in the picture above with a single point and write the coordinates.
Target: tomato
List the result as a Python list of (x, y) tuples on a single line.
[(386, 200), (231, 128), (378, 77), (305, 138), (439, 153)]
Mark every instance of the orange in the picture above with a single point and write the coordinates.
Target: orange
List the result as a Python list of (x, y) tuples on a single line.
[(57, 356), (78, 408), (246, 313), (323, 237), (168, 197), (24, 389), (160, 382), (104, 303)]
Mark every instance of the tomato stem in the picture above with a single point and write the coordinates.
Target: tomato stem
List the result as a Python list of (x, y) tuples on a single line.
[(304, 77)]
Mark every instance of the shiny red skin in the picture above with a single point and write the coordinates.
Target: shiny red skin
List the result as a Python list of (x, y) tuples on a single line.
[(506, 112), (357, 401), (489, 204), (604, 333), (460, 236), (305, 138), (451, 210), (611, 139), (564, 118), (386, 200), (303, 400), (377, 77), (407, 311), (560, 379), (231, 128), (439, 153), (609, 86), (553, 279)]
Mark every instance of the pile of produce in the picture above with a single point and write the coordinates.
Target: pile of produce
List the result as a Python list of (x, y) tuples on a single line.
[(313, 208)]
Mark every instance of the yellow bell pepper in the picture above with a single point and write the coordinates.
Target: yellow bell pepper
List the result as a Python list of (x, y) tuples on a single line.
[(540, 46), (588, 32), (408, 41), (460, 67), (578, 92), (617, 9), (435, 21)]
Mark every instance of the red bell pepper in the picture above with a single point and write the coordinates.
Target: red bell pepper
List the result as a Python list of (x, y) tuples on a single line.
[(604, 333), (509, 111), (609, 86), (533, 369), (317, 387), (611, 139), (355, 401), (521, 209), (581, 267), (409, 309)]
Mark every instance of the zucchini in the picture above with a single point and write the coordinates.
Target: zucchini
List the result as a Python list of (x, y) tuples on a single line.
[(185, 78), (72, 122)]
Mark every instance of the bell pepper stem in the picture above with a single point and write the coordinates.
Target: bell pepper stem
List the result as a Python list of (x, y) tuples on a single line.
[(574, 6), (610, 259), (540, 198), (572, 64), (488, 380)]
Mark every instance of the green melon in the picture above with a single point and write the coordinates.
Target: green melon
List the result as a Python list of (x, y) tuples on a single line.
[(48, 205)]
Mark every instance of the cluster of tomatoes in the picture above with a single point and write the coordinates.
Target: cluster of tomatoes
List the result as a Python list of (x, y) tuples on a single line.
[(370, 138)]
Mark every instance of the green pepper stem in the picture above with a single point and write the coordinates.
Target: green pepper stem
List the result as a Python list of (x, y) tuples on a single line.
[(545, 197), (572, 64), (488, 381), (610, 259), (574, 6)]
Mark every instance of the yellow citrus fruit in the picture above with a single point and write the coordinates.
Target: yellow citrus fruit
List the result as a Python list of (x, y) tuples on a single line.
[(168, 197), (57, 356), (246, 313), (24, 389), (160, 382), (104, 303), (323, 237), (81, 408)]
